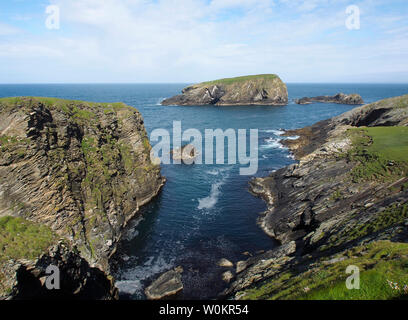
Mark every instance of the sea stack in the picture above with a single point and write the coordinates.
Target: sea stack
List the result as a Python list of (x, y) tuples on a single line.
[(263, 89)]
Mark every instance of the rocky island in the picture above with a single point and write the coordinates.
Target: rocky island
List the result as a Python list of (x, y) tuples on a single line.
[(265, 89), (344, 203), (72, 174), (340, 98)]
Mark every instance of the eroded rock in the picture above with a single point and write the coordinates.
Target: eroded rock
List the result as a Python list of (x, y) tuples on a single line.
[(168, 284)]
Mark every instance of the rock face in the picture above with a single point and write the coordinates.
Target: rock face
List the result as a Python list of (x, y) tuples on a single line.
[(248, 90), (82, 169), (339, 98), (168, 284), (26, 279), (345, 192)]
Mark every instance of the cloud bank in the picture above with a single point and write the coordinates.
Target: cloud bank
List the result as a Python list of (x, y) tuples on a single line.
[(196, 40)]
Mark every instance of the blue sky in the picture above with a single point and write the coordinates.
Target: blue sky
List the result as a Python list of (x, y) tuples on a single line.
[(196, 40)]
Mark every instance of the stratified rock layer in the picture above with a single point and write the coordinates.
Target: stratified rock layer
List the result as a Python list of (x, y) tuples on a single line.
[(82, 169), (247, 90)]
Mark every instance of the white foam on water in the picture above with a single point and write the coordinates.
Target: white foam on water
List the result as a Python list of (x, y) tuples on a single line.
[(213, 172), (131, 282), (275, 132), (292, 138), (129, 286), (272, 143), (210, 201)]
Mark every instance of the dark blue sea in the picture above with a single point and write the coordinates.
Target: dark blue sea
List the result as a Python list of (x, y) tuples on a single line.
[(204, 212)]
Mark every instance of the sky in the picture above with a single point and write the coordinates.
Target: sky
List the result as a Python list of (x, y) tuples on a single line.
[(185, 41)]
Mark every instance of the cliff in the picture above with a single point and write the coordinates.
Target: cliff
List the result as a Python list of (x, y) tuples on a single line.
[(267, 89), (82, 170), (344, 203), (339, 98)]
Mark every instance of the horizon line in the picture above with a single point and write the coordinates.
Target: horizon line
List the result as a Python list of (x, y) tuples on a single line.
[(118, 83)]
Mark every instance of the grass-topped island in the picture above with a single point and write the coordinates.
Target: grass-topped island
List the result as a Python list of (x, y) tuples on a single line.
[(262, 89)]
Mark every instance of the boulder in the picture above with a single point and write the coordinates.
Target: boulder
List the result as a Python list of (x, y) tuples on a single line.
[(225, 263), (168, 284), (227, 276)]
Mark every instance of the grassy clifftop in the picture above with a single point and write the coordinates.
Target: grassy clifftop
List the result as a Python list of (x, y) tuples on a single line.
[(228, 81)]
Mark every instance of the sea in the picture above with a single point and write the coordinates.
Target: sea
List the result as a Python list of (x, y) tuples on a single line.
[(204, 212)]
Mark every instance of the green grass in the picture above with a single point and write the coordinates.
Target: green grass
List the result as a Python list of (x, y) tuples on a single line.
[(390, 142), (382, 153), (379, 262), (241, 79), (393, 215), (13, 144), (22, 239), (78, 110)]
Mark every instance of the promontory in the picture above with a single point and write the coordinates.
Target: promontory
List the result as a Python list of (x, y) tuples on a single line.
[(72, 175), (343, 203), (263, 89)]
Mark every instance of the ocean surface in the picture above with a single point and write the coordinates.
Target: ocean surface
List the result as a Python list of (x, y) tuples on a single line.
[(204, 212)]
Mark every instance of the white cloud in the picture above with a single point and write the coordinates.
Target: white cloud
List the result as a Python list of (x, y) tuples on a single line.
[(193, 40), (6, 30)]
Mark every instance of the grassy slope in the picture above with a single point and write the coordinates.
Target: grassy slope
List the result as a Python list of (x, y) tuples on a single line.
[(241, 79), (379, 262), (382, 153), (391, 142), (22, 239)]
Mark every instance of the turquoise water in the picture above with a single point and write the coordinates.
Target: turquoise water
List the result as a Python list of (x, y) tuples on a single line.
[(204, 212)]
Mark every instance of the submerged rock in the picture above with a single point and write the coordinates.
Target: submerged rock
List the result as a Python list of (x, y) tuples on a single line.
[(339, 98), (168, 284), (266, 89), (225, 263)]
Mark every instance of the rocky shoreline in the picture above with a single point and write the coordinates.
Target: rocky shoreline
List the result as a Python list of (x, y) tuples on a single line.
[(340, 98), (78, 170), (342, 195)]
